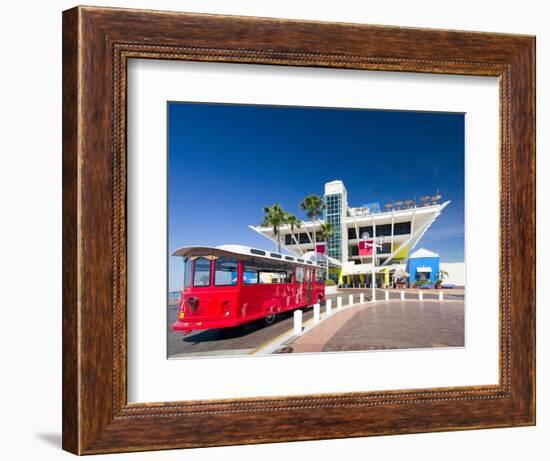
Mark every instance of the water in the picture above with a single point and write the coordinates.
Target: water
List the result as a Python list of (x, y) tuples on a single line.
[(174, 295)]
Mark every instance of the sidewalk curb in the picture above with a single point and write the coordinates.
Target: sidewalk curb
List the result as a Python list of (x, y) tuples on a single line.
[(274, 344)]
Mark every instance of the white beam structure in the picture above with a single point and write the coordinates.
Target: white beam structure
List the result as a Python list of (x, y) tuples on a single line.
[(392, 227), (274, 240), (293, 237), (419, 232)]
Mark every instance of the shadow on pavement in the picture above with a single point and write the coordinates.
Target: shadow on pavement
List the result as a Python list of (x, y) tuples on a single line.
[(218, 334)]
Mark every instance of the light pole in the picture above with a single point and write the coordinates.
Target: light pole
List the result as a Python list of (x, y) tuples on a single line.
[(373, 245)]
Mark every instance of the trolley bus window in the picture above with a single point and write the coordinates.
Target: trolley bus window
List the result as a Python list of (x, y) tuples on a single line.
[(250, 277), (276, 277), (299, 274), (225, 272), (288, 276), (187, 273), (266, 272), (320, 275), (202, 272), (250, 274)]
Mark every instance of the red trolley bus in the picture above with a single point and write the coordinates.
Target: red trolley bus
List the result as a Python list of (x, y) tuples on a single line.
[(230, 285)]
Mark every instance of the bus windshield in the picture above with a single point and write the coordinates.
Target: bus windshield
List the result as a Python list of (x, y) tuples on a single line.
[(201, 274)]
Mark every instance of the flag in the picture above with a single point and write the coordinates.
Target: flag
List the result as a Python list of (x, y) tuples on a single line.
[(365, 248)]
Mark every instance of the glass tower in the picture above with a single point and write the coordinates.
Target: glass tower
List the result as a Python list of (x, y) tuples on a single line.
[(336, 201), (333, 216)]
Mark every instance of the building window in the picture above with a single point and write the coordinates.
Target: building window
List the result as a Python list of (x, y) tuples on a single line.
[(365, 229), (402, 228), (383, 230), (225, 272), (422, 277), (202, 272)]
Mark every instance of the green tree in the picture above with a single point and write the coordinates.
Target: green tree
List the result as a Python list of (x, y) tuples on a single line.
[(443, 274), (313, 205), (275, 217), (327, 231)]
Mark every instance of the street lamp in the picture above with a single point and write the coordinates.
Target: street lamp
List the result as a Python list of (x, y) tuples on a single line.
[(366, 236)]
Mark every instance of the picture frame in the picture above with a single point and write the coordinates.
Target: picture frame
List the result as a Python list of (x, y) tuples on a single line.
[(97, 44)]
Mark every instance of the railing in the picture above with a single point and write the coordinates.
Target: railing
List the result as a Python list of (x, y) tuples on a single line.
[(426, 200)]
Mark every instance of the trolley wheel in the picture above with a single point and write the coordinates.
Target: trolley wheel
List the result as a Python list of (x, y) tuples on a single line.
[(270, 318), (319, 299)]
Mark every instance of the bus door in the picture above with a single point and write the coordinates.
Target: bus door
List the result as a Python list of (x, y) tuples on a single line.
[(309, 286)]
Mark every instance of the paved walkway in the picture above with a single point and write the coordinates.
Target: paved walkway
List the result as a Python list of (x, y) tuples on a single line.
[(393, 324)]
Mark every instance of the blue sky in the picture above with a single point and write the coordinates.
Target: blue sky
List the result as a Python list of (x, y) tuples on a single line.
[(226, 162)]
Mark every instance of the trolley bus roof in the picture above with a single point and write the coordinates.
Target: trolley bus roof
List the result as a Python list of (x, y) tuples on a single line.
[(239, 252)]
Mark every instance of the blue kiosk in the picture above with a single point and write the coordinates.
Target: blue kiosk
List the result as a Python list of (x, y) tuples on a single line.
[(423, 268)]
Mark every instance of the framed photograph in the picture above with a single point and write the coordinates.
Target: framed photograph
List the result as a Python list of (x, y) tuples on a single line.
[(282, 230)]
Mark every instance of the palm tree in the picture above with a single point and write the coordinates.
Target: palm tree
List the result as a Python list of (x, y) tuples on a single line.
[(294, 223), (314, 206), (327, 231), (275, 217), (443, 274)]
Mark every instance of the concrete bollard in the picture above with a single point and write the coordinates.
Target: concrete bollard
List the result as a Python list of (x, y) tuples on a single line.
[(328, 306), (441, 296), (339, 302), (402, 295), (387, 295), (420, 295), (298, 322), (362, 298), (317, 313), (350, 301)]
